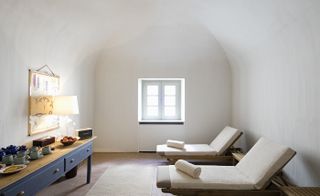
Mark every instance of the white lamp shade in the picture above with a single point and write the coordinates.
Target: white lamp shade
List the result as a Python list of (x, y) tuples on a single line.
[(65, 105)]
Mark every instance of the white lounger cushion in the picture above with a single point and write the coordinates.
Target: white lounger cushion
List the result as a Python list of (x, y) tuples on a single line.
[(175, 144), (263, 160), (253, 172), (190, 169), (225, 139), (189, 149), (211, 177), (217, 147)]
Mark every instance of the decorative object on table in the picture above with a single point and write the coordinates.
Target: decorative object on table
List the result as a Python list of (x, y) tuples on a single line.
[(12, 149), (7, 159), (18, 160), (44, 141), (2, 153), (7, 154), (22, 153), (46, 150), (84, 133), (22, 156), (42, 86), (22, 148), (34, 148), (64, 106), (35, 153), (12, 169), (67, 140)]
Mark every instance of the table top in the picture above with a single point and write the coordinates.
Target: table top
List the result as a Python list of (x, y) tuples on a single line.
[(60, 151)]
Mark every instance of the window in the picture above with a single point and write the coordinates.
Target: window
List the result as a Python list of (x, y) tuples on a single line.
[(161, 100)]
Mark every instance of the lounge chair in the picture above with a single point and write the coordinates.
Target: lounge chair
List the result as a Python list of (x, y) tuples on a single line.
[(216, 150), (251, 176)]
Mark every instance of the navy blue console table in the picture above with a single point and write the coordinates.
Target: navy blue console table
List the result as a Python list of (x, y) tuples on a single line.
[(43, 172)]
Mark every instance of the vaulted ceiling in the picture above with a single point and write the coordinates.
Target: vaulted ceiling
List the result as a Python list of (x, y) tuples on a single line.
[(80, 28)]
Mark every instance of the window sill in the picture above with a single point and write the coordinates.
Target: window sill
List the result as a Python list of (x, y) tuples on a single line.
[(162, 122)]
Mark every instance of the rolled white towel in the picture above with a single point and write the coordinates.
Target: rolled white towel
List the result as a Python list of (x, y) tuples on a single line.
[(175, 144), (188, 168)]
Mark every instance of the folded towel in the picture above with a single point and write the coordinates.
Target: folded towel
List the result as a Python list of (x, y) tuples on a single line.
[(175, 144), (188, 168)]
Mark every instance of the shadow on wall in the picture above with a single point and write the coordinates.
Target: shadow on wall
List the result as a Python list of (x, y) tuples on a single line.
[(247, 141), (308, 161)]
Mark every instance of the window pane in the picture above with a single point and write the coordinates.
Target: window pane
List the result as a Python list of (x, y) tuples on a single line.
[(152, 100), (152, 111), (170, 100), (170, 111), (152, 90), (170, 90)]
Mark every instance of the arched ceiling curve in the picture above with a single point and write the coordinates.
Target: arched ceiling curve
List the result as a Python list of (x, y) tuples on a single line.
[(78, 28)]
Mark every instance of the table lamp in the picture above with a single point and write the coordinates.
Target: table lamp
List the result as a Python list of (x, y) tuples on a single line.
[(66, 106)]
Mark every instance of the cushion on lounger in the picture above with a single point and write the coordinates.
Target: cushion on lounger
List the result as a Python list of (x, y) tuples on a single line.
[(263, 160), (211, 177), (190, 169), (224, 139), (189, 149), (175, 144)]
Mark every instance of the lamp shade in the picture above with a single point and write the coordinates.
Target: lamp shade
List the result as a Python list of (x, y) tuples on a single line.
[(65, 105)]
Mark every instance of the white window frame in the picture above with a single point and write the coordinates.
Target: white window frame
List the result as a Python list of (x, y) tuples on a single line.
[(161, 83)]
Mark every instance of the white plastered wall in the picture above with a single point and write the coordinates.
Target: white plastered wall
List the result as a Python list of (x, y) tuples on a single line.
[(31, 35), (187, 51), (274, 50)]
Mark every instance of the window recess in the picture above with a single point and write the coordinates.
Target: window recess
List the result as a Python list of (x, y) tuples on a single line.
[(161, 100)]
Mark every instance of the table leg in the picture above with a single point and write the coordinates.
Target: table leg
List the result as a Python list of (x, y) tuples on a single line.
[(89, 160)]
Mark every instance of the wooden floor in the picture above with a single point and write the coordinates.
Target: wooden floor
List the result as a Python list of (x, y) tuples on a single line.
[(101, 161)]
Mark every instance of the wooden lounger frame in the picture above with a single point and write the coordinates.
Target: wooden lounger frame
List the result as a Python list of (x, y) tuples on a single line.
[(217, 158), (223, 192), (206, 192)]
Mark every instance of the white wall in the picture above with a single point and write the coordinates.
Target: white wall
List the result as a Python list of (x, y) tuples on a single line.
[(30, 38), (188, 51), (274, 50)]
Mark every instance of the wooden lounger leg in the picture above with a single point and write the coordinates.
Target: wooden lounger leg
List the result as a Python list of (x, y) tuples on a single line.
[(223, 192), (172, 161)]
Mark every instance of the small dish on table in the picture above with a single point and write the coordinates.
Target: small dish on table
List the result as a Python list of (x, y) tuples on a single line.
[(2, 165), (67, 140), (12, 169)]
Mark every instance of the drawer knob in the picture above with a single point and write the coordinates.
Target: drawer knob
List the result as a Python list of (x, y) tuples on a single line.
[(56, 170), (72, 160), (21, 193)]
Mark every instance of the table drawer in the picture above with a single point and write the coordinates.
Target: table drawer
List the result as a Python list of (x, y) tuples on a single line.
[(75, 158), (87, 151), (30, 186)]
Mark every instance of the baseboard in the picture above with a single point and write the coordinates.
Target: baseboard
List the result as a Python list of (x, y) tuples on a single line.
[(147, 151)]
